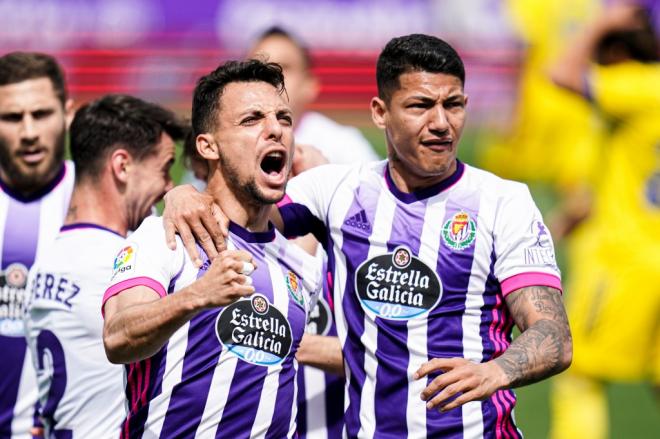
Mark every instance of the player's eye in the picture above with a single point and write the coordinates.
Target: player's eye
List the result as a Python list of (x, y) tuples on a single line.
[(11, 117), (42, 114)]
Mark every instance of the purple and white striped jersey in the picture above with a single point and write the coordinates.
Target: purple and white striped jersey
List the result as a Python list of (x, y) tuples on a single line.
[(320, 394), (228, 372), (27, 225), (418, 276)]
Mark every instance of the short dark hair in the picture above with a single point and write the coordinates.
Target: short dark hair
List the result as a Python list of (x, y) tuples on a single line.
[(209, 89), (118, 121), (21, 66), (416, 52), (639, 44), (277, 31)]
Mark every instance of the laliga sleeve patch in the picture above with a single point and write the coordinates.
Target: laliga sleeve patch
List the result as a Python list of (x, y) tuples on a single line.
[(397, 285), (125, 260), (255, 331)]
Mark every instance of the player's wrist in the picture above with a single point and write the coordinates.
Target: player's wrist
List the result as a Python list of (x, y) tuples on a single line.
[(500, 378), (193, 298)]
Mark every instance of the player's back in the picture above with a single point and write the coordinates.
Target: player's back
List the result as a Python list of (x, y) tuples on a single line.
[(81, 392)]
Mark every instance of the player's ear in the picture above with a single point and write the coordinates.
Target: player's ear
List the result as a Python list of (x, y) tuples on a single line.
[(207, 147), (312, 88), (69, 112), (379, 112), (121, 162)]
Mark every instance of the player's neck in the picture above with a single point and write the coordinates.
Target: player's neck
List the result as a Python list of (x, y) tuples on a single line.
[(92, 203), (34, 189), (249, 215), (409, 182)]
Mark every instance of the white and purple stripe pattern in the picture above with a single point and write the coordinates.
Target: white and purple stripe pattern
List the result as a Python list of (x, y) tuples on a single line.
[(471, 319), (194, 387), (26, 226)]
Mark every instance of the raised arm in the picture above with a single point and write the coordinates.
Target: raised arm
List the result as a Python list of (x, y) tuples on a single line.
[(571, 68), (138, 322), (544, 348)]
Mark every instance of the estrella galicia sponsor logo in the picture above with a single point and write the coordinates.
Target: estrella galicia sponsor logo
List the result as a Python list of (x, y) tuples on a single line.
[(397, 285), (294, 287), (13, 299), (459, 231), (320, 319), (125, 260), (16, 275), (255, 331)]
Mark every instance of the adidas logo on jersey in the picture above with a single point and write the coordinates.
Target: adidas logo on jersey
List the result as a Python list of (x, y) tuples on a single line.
[(359, 221)]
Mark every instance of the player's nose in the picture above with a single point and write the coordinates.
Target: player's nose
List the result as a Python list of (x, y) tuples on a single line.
[(28, 130)]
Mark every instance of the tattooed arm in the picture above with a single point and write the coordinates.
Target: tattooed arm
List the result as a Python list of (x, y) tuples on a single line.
[(544, 348)]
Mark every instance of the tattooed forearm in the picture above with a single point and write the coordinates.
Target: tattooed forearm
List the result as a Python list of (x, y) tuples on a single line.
[(544, 348)]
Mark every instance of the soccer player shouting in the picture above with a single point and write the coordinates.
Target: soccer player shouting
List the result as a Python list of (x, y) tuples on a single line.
[(432, 262), (210, 350)]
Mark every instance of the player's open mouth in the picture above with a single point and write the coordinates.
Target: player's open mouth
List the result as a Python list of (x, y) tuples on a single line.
[(273, 164)]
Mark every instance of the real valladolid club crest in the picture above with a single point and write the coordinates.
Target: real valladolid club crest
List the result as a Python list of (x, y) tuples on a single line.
[(459, 231), (294, 287)]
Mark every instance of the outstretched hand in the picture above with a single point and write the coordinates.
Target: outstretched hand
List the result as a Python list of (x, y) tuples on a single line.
[(197, 219), (462, 381)]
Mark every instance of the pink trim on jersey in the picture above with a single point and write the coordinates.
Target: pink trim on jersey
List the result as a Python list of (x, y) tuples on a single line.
[(147, 374), (496, 328), (523, 280), (500, 416), (331, 290), (284, 201), (130, 283), (509, 403)]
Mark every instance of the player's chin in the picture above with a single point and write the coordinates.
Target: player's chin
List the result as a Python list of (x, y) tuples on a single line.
[(272, 195)]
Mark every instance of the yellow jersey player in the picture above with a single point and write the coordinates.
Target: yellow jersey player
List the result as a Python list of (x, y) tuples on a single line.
[(614, 302), (536, 149)]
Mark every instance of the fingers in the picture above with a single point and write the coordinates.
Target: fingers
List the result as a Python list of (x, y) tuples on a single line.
[(472, 395), (238, 261), (219, 229), (436, 364), (204, 232), (451, 386), (170, 233), (189, 243), (247, 268)]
